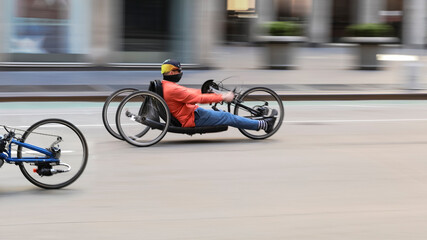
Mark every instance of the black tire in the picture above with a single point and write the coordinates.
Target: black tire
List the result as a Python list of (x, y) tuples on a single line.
[(256, 97), (110, 108), (143, 104), (74, 152)]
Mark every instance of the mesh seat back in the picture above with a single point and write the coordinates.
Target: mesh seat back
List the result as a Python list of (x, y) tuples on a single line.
[(156, 86), (148, 109)]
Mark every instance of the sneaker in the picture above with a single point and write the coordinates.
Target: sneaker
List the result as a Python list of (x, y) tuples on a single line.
[(270, 124)]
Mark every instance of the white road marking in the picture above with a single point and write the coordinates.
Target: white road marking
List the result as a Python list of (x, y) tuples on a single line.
[(284, 121), (14, 152), (312, 121), (358, 120), (47, 113), (23, 127)]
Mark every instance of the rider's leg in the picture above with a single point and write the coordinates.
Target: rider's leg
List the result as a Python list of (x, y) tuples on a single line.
[(205, 117)]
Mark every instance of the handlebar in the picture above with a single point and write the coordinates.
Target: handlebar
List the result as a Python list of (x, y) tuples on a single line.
[(210, 86), (9, 135)]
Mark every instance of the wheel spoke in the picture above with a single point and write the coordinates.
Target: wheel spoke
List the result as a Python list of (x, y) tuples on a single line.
[(73, 152), (143, 118), (261, 100)]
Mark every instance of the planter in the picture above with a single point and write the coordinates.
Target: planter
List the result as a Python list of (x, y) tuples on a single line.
[(367, 50), (280, 51)]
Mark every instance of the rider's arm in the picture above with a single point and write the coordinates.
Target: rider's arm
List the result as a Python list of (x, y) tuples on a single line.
[(228, 96), (193, 96)]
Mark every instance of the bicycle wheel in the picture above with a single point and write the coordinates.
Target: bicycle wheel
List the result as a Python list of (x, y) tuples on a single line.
[(74, 152), (143, 118), (110, 108), (258, 103)]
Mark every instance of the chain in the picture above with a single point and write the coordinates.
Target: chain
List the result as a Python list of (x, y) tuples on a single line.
[(43, 134), (15, 148)]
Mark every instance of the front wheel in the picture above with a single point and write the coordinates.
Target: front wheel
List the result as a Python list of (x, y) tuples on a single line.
[(258, 103), (73, 152)]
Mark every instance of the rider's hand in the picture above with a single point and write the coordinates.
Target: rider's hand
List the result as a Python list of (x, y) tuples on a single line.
[(228, 97)]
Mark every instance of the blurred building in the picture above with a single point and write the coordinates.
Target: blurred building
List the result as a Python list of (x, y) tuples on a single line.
[(142, 33)]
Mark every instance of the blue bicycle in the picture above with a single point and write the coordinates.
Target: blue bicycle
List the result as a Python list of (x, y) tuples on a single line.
[(51, 153)]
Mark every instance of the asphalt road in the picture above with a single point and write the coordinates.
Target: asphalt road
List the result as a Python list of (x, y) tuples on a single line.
[(335, 170)]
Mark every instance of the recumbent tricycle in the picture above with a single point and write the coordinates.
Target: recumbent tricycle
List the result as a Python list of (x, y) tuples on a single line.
[(142, 118)]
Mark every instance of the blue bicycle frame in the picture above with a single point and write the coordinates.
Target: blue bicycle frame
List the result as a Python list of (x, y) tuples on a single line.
[(9, 159)]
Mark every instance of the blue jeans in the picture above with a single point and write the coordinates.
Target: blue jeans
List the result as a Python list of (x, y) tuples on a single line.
[(205, 117)]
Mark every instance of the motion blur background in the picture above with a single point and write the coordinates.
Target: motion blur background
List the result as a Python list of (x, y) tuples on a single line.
[(129, 32)]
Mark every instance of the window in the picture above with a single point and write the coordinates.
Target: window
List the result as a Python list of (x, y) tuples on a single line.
[(146, 25), (40, 26)]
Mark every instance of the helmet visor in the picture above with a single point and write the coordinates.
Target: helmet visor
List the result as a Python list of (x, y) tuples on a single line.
[(169, 67)]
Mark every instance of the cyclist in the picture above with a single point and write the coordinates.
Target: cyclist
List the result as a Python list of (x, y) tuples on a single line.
[(182, 104)]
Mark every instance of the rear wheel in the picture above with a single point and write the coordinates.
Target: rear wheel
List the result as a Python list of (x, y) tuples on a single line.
[(110, 108), (73, 153), (143, 118), (260, 102)]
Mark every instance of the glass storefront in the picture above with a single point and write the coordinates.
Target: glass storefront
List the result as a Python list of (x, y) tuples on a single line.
[(240, 18), (345, 13), (136, 32), (40, 27), (146, 25), (47, 30), (393, 15), (152, 31), (293, 10), (242, 15)]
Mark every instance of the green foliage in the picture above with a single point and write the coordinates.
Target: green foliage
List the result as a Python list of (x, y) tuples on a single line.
[(370, 30), (284, 29)]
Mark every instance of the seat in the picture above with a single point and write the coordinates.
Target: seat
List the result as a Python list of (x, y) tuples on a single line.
[(175, 126), (156, 86)]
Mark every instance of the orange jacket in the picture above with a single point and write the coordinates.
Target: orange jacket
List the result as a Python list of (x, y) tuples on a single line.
[(182, 101)]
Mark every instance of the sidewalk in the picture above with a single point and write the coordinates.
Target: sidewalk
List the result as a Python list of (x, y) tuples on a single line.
[(323, 74)]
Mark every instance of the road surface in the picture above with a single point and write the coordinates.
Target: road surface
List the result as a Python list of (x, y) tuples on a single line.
[(335, 170)]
